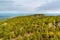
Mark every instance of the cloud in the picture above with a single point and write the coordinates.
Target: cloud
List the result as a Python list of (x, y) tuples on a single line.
[(24, 5), (5, 5), (50, 6), (8, 5)]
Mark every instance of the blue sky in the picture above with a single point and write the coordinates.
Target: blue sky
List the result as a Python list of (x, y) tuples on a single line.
[(30, 6)]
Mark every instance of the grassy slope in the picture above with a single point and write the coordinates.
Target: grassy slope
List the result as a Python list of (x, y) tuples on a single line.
[(33, 27)]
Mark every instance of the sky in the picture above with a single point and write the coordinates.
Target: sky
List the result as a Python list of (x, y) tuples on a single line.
[(29, 6)]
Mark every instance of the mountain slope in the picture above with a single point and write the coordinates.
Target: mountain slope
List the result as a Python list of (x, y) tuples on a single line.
[(32, 27)]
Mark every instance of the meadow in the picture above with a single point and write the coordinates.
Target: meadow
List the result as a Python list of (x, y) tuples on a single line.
[(31, 27)]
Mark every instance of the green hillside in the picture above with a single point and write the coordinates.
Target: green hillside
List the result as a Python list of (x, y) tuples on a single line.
[(32, 27)]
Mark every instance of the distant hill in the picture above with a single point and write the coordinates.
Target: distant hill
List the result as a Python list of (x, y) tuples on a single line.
[(8, 15)]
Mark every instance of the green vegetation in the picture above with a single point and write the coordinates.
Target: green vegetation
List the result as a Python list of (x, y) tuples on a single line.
[(33, 27)]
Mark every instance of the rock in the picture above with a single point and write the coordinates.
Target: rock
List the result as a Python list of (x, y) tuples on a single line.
[(58, 24), (4, 24), (1, 39), (50, 24)]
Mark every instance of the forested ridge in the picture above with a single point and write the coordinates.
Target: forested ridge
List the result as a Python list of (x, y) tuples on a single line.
[(31, 27)]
